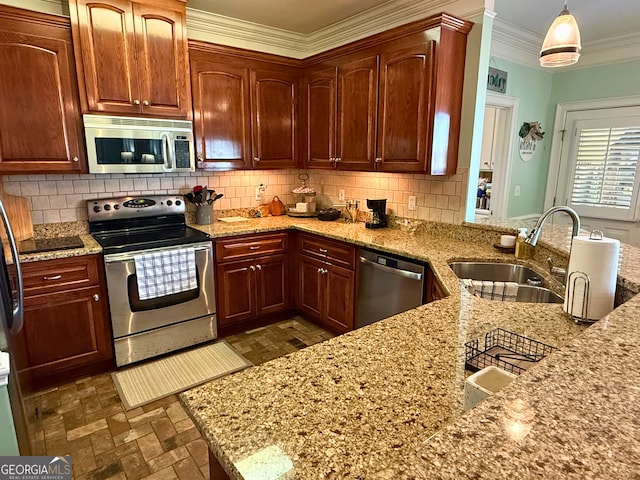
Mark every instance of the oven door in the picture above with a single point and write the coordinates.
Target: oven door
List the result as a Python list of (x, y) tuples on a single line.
[(130, 315)]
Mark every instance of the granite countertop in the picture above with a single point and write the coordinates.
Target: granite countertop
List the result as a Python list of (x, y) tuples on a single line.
[(385, 401)]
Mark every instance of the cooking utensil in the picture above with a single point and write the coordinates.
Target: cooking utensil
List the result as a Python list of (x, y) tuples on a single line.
[(328, 214)]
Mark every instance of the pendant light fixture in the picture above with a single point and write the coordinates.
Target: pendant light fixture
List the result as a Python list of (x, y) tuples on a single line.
[(561, 46)]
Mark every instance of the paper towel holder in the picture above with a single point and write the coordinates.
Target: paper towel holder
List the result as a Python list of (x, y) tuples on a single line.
[(575, 277)]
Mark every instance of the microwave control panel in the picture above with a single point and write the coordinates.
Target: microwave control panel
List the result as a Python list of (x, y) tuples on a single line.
[(183, 155)]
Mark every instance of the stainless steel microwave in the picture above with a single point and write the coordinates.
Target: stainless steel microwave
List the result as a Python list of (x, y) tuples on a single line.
[(138, 145)]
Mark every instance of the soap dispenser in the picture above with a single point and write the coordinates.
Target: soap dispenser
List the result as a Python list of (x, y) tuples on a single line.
[(522, 249)]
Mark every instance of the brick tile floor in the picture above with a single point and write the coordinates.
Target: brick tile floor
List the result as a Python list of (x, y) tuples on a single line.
[(158, 441)]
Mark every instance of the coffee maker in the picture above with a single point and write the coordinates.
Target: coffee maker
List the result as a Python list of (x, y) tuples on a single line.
[(378, 213)]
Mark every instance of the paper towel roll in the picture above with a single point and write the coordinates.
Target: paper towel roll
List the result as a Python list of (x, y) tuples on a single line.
[(598, 258)]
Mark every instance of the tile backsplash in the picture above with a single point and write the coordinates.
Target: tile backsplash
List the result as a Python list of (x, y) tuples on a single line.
[(62, 198)]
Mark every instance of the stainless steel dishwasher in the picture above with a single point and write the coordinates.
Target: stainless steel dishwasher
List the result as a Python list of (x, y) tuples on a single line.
[(387, 285)]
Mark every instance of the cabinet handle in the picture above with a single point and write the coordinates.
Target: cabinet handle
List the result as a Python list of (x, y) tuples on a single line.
[(259, 267), (332, 159), (252, 268), (338, 159), (379, 160), (75, 159), (145, 103), (319, 270), (136, 102), (256, 159), (54, 277), (254, 247), (96, 297), (323, 250)]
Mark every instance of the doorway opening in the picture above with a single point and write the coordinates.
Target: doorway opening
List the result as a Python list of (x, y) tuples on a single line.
[(499, 132)]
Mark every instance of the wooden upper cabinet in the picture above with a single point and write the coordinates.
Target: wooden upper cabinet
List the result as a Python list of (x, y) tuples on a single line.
[(274, 105), (222, 115), (404, 108), (320, 103), (40, 124), (132, 57), (341, 106), (357, 109)]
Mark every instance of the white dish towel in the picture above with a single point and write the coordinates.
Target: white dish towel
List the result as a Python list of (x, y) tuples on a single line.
[(505, 291), (165, 272)]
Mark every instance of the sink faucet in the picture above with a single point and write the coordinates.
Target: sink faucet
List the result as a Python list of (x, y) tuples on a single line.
[(534, 235)]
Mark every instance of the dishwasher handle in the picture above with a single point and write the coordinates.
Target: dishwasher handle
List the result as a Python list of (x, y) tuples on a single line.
[(394, 271)]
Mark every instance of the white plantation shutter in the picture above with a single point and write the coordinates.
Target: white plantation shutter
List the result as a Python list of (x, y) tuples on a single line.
[(605, 176)]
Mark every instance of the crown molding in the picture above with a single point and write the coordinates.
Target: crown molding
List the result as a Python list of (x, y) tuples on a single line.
[(522, 46), (54, 7), (210, 27)]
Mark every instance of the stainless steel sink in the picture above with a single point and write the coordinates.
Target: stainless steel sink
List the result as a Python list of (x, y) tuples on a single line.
[(531, 294), (509, 272), (496, 272)]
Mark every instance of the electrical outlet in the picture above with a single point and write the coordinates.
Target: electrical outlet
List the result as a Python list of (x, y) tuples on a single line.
[(341, 195), (516, 191), (412, 202)]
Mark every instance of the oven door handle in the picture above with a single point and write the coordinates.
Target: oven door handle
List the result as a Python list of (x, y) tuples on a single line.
[(167, 152), (128, 256)]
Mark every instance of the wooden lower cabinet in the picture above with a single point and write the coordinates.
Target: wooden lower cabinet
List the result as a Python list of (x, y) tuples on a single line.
[(434, 290), (327, 293), (66, 330), (251, 288)]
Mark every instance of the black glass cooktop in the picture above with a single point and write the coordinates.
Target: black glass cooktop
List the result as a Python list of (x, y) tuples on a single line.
[(38, 245), (142, 239)]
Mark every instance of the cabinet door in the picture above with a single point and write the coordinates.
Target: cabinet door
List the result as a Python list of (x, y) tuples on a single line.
[(357, 108), (274, 101), (40, 126), (163, 73), (63, 331), (321, 118), (222, 115), (271, 284), (236, 292), (403, 111), (106, 46), (310, 288), (339, 299)]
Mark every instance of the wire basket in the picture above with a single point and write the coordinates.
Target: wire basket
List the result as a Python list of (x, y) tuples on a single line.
[(507, 350)]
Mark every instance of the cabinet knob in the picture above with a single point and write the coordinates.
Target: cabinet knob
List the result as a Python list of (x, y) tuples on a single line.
[(379, 160), (259, 267), (75, 159), (96, 297), (252, 268), (146, 103), (256, 159), (136, 102), (332, 159), (200, 159)]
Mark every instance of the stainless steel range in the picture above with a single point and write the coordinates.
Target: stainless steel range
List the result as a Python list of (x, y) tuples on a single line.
[(159, 272)]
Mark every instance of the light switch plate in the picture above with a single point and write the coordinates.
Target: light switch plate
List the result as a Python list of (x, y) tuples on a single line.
[(341, 195), (412, 202), (516, 191)]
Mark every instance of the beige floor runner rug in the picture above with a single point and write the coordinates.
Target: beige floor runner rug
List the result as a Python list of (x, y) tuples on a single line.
[(176, 373)]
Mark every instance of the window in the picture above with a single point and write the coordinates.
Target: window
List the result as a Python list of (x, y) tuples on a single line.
[(604, 180)]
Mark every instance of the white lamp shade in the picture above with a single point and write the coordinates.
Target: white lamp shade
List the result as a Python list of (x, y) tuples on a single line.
[(561, 46)]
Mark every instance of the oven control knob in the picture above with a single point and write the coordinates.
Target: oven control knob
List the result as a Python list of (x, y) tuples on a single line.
[(97, 208), (116, 207), (178, 203), (107, 207), (169, 203)]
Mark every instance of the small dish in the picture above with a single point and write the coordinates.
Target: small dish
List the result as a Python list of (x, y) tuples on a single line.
[(504, 249)]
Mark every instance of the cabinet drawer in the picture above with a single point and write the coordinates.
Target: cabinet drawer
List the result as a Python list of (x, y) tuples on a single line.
[(239, 248), (338, 253), (61, 274)]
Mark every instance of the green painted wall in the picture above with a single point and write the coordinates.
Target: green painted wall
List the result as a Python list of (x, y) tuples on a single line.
[(617, 80), (533, 88)]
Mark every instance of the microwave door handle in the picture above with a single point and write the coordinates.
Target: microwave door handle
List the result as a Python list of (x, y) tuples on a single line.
[(167, 153), (17, 321)]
